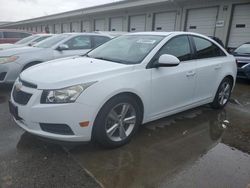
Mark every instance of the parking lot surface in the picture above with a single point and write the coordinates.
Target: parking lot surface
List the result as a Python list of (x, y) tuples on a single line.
[(196, 148)]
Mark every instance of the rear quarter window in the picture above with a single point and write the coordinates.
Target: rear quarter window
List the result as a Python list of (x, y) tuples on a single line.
[(99, 40), (206, 49)]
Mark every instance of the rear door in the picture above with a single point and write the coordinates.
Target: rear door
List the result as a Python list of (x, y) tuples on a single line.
[(210, 61), (173, 87), (78, 45)]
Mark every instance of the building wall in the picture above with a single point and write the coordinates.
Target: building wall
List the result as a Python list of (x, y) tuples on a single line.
[(181, 7)]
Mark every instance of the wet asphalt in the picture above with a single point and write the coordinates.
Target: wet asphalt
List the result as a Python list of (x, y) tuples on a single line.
[(197, 148)]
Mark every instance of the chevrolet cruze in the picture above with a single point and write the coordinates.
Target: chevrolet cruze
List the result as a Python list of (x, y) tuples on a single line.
[(128, 81)]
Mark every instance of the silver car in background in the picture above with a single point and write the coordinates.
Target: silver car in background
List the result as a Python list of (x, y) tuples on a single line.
[(14, 61), (28, 41)]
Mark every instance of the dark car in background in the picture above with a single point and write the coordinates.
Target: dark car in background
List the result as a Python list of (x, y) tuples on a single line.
[(12, 36), (242, 55)]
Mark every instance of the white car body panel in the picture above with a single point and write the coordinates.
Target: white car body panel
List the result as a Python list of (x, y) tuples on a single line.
[(34, 54), (188, 85)]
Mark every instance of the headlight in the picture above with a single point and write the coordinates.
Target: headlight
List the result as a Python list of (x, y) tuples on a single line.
[(66, 95), (8, 59)]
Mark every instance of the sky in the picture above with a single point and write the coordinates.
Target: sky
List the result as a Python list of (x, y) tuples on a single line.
[(16, 10)]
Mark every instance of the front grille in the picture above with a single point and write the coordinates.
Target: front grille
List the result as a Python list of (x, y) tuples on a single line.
[(28, 84), (2, 75), (61, 129), (21, 97)]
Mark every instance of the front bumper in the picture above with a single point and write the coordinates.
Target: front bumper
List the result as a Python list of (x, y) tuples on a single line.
[(9, 72), (34, 114)]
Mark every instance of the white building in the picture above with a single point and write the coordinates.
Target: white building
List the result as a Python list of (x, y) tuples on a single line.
[(228, 20)]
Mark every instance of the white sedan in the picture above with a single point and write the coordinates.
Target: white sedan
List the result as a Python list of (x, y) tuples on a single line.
[(128, 81)]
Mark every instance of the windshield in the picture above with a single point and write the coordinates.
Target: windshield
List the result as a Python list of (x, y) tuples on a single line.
[(50, 42), (128, 49), (26, 40), (41, 38), (243, 49)]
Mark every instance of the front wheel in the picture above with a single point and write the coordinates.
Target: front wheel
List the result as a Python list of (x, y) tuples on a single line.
[(117, 122), (223, 94)]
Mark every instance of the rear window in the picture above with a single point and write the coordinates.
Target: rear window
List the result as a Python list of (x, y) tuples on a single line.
[(98, 40)]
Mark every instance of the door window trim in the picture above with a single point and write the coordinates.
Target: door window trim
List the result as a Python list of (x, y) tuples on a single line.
[(192, 51), (195, 50)]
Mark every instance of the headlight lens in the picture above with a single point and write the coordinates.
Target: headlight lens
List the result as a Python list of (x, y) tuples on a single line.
[(66, 95), (8, 59)]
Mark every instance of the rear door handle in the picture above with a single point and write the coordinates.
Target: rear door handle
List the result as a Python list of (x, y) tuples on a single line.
[(191, 73), (217, 67)]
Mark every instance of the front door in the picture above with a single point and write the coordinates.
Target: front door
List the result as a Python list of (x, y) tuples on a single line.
[(173, 87)]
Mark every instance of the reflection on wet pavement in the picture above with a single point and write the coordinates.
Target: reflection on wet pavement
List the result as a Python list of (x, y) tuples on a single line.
[(165, 150), (197, 148)]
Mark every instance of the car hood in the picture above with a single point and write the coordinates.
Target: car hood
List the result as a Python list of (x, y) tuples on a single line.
[(6, 45), (17, 51), (62, 73), (243, 59), (9, 46)]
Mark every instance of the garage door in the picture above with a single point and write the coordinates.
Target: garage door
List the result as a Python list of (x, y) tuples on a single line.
[(66, 27), (100, 25), (165, 21), (76, 26), (137, 23), (240, 28), (58, 28), (86, 26), (202, 21), (116, 24), (51, 29)]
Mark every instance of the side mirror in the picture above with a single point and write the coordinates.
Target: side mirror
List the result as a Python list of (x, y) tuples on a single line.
[(167, 60), (62, 47)]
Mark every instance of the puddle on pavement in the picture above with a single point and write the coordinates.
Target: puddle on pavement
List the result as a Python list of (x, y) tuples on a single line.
[(186, 145), (3, 99)]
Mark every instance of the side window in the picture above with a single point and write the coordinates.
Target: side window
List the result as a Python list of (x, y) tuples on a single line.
[(206, 49), (178, 47), (1, 35), (79, 42), (98, 40), (24, 35), (12, 35)]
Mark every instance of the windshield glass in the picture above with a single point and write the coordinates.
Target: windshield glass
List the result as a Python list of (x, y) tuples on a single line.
[(26, 40), (243, 49), (50, 42), (128, 49)]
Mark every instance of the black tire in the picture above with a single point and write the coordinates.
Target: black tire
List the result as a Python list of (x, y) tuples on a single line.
[(100, 134), (216, 104)]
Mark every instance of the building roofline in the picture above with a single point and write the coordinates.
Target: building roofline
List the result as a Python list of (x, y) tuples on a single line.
[(122, 4)]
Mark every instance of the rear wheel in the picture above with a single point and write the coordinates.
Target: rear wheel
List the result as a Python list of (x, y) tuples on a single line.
[(223, 94), (117, 122)]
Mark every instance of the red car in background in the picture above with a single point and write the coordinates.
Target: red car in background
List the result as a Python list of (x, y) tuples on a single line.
[(12, 36)]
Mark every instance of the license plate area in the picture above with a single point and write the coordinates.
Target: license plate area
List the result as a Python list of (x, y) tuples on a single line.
[(14, 111)]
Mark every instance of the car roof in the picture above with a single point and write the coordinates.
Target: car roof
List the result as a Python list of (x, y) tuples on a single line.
[(92, 34), (44, 34), (156, 33)]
